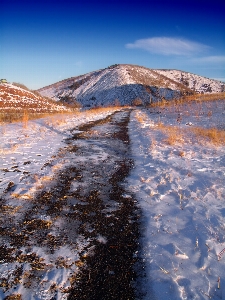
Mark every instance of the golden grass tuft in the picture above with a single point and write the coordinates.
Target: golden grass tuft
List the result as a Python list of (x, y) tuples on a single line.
[(181, 154), (12, 149), (25, 119), (141, 118), (212, 135), (176, 135), (173, 133), (14, 297), (187, 99), (12, 115)]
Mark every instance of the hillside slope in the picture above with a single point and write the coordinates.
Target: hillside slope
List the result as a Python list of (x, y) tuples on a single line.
[(16, 98), (194, 82), (123, 84)]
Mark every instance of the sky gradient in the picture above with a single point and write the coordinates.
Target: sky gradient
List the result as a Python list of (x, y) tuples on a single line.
[(42, 42)]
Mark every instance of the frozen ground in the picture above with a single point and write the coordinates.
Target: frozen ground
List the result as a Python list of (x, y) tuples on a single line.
[(40, 245), (181, 190), (178, 180)]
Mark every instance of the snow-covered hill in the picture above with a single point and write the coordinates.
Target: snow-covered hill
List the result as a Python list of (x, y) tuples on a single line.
[(194, 82), (13, 97), (125, 83)]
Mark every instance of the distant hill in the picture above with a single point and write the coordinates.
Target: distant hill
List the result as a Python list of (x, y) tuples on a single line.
[(13, 97), (125, 83)]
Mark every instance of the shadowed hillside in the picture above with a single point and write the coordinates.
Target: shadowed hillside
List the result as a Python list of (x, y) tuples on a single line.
[(125, 84)]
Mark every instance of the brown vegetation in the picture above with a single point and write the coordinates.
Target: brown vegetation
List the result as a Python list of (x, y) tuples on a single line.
[(177, 135), (16, 104), (190, 98)]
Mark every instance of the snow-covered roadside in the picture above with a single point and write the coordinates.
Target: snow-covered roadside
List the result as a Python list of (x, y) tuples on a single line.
[(181, 190), (38, 259), (28, 151)]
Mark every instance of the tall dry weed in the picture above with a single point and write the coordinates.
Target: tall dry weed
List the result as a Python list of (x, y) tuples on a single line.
[(173, 133), (25, 119)]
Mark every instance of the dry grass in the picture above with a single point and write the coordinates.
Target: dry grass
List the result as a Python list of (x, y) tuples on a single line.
[(212, 135), (177, 135), (14, 103), (181, 154), (173, 133), (186, 99), (25, 119), (14, 297), (99, 110), (141, 117), (10, 150), (12, 116), (19, 105)]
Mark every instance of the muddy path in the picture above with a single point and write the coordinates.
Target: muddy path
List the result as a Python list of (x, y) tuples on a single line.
[(109, 218), (78, 238)]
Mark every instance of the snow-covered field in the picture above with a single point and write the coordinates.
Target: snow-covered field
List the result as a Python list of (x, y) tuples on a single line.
[(178, 179), (180, 185), (31, 156)]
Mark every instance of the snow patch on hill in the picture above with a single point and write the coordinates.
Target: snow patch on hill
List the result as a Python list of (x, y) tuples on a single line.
[(13, 97), (125, 83), (195, 82)]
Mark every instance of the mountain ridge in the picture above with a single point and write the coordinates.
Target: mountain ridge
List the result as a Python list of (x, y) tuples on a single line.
[(123, 83)]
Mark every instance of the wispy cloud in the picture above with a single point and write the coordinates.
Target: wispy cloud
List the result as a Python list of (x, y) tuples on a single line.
[(210, 59), (78, 63), (220, 79), (168, 46)]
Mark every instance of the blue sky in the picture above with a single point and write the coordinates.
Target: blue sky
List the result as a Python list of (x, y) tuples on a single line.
[(42, 42)]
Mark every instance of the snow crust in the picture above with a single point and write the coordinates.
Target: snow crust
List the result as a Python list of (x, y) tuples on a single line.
[(181, 191)]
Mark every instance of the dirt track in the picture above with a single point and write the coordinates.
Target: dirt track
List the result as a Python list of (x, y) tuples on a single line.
[(108, 272)]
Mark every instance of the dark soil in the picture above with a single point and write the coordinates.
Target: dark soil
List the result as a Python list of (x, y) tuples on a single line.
[(109, 273)]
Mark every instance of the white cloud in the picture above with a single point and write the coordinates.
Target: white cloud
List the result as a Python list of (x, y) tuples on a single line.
[(220, 79), (210, 59), (78, 63), (168, 46)]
